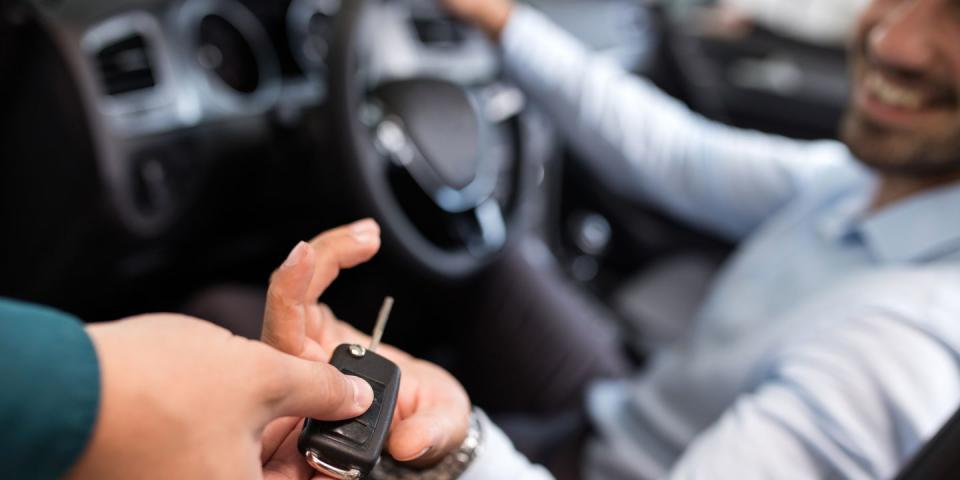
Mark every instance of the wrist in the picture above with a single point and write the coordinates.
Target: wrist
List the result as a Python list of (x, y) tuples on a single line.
[(112, 429), (493, 17), (449, 468)]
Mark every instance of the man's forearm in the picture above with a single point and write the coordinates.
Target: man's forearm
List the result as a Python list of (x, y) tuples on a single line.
[(647, 145)]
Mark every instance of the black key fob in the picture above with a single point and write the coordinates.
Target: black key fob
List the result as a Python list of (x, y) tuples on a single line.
[(349, 449)]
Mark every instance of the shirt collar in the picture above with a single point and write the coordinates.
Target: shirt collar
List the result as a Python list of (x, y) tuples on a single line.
[(922, 227), (841, 221)]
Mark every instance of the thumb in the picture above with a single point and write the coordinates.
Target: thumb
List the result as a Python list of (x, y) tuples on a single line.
[(318, 390)]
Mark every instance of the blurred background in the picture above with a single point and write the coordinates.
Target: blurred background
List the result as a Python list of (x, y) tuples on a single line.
[(165, 156)]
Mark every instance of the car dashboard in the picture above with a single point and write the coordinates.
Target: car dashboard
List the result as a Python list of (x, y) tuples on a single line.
[(192, 139), (213, 74)]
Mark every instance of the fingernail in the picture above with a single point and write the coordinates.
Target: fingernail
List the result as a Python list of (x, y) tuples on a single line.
[(296, 255), (364, 226), (363, 237), (419, 454), (362, 393)]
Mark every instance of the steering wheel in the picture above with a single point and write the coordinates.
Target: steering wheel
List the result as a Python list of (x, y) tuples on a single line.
[(430, 134)]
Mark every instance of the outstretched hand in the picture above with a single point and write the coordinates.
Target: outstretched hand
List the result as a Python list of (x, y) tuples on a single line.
[(433, 410)]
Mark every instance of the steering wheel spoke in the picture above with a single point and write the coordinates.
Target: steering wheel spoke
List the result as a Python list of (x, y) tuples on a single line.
[(483, 230), (393, 143), (500, 102), (493, 228)]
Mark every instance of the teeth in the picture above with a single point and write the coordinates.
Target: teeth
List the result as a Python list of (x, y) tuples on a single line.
[(892, 94)]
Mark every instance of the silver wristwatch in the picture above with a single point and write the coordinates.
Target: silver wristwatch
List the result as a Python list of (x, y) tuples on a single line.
[(450, 468)]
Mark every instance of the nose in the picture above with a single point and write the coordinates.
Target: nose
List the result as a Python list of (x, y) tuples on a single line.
[(900, 39)]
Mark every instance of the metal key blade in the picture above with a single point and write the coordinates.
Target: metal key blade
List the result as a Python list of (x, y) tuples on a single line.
[(381, 323)]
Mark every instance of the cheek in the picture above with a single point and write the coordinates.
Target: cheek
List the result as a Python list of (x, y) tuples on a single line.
[(868, 23), (951, 48)]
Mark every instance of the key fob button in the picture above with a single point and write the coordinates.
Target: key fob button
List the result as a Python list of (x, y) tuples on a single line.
[(370, 417), (359, 429), (354, 432)]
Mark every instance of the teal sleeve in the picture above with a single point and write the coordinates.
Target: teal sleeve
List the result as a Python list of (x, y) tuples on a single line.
[(49, 391)]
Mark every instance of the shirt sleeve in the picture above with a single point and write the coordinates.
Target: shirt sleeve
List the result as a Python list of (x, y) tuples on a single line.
[(852, 403), (49, 391), (648, 146), (498, 459)]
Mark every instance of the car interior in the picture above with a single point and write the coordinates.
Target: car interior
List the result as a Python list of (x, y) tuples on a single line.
[(165, 155)]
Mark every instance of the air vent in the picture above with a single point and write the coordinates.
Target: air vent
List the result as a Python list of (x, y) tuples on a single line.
[(125, 66)]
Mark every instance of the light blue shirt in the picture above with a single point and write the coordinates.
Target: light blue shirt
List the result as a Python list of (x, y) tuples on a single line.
[(829, 344)]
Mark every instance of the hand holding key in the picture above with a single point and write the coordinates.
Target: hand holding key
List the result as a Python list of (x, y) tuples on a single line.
[(183, 398), (433, 410)]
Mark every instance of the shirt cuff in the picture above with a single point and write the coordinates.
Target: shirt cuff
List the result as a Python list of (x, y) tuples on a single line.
[(498, 459), (49, 390)]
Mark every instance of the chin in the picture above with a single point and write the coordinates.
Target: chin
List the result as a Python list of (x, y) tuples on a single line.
[(894, 152)]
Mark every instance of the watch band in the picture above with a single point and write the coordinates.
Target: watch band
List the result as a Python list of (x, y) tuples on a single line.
[(450, 468)]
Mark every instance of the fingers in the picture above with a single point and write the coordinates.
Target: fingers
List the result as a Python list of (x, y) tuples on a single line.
[(274, 435), (340, 248), (284, 323), (290, 315), (331, 331), (287, 463), (303, 388), (322, 327), (427, 436), (433, 412)]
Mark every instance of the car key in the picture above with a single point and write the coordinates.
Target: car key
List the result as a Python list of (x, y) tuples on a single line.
[(349, 449)]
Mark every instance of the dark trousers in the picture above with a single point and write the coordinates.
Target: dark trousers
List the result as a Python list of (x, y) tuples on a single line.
[(537, 341)]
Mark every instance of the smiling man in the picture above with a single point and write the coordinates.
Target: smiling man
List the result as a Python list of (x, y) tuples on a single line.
[(905, 118), (829, 345)]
